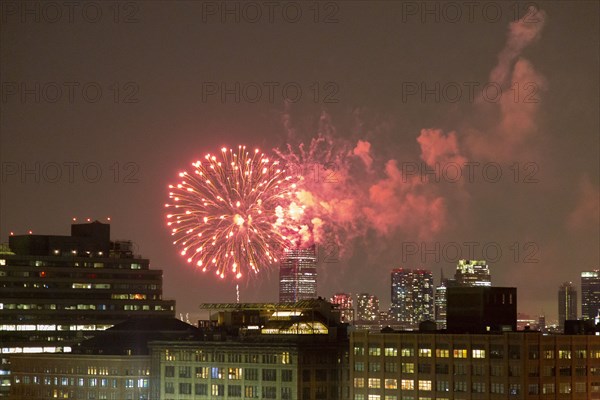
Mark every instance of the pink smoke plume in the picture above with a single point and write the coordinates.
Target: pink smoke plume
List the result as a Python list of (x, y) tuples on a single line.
[(521, 34), (512, 122), (586, 212), (350, 192), (439, 149)]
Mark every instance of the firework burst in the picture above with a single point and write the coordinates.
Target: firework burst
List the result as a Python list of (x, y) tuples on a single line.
[(233, 213)]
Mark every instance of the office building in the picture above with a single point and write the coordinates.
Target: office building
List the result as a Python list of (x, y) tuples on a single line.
[(345, 306), (567, 304), (590, 294), (412, 296), (510, 365), (472, 273), (266, 351), (56, 291), (481, 309), (114, 364), (440, 302), (367, 307), (298, 275)]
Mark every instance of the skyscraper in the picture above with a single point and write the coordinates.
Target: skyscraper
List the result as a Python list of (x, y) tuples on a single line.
[(412, 296), (440, 301), (345, 305), (367, 307), (590, 294), (567, 303), (473, 273), (298, 275), (56, 291)]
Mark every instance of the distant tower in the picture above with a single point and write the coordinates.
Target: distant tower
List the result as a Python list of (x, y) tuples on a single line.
[(440, 299), (367, 307), (542, 323), (473, 273), (567, 303), (298, 275), (412, 296), (345, 305), (590, 294)]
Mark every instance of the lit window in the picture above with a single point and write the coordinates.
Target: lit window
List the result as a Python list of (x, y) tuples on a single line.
[(391, 384), (478, 353), (564, 354), (374, 383), (407, 352), (442, 353), (359, 382), (391, 351), (408, 368), (424, 385), (460, 353), (374, 351), (424, 352), (407, 384)]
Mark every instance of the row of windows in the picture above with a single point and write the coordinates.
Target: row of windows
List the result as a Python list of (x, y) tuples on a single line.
[(219, 356), (72, 307), (81, 382), (220, 390), (232, 373), (69, 264), (476, 387), (495, 352), (478, 369), (29, 392)]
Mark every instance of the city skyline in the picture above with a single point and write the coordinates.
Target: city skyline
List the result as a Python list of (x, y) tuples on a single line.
[(469, 272), (420, 139)]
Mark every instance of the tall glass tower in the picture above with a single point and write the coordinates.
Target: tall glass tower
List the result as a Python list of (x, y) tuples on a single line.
[(412, 296), (590, 294), (298, 275), (567, 303)]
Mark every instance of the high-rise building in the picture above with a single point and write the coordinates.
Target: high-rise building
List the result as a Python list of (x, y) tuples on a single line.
[(473, 273), (298, 275), (345, 306), (567, 303), (56, 291), (480, 309), (367, 307), (440, 299), (590, 294), (542, 323), (412, 296)]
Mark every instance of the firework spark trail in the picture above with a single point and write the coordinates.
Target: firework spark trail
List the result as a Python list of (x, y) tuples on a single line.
[(234, 213)]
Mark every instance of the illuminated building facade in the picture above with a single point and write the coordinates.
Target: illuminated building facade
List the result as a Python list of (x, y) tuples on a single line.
[(440, 301), (473, 273), (345, 305), (412, 296), (257, 351), (114, 364), (367, 307), (298, 275), (70, 376), (56, 291), (567, 304), (511, 365), (590, 294)]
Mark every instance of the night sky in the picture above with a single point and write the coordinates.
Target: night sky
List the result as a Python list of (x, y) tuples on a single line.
[(103, 105)]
